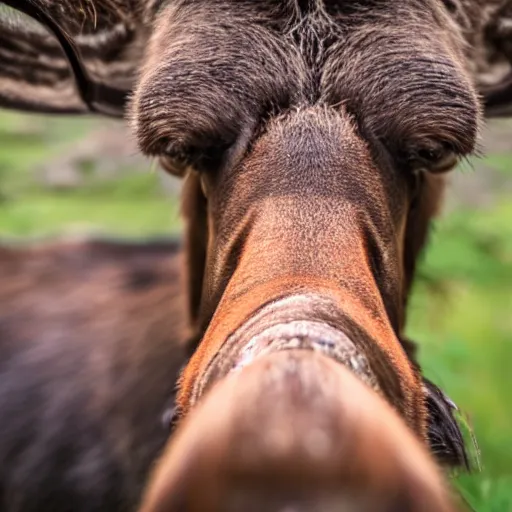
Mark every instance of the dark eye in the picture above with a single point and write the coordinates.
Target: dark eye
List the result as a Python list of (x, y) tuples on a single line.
[(204, 159), (436, 157), (172, 165)]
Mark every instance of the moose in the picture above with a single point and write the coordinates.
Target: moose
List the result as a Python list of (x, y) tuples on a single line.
[(313, 138)]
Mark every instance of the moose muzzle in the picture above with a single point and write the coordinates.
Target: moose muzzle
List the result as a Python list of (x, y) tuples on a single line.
[(300, 394)]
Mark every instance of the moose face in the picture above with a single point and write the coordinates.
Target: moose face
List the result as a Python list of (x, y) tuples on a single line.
[(309, 133)]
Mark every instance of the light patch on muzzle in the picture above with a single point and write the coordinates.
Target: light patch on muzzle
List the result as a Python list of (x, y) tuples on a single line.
[(309, 335), (289, 323)]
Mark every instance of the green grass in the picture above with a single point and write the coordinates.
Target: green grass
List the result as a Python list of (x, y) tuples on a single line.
[(131, 205), (461, 313), (461, 310), (54, 214)]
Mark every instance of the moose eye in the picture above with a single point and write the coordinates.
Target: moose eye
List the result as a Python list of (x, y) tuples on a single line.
[(172, 165), (434, 157), (202, 159)]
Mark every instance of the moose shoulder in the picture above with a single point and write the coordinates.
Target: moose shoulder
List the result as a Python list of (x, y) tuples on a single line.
[(91, 342)]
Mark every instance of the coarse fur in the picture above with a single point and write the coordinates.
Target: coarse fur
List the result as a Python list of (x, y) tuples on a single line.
[(302, 122), (192, 108), (91, 340), (110, 35), (312, 135)]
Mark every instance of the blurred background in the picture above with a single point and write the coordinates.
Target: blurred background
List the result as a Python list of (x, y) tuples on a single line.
[(68, 177)]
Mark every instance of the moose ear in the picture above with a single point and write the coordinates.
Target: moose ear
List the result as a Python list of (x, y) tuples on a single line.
[(493, 60), (497, 98), (70, 56)]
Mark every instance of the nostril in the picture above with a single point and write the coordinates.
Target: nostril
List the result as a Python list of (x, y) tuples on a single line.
[(170, 418)]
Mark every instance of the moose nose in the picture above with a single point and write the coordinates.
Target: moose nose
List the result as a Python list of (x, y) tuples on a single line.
[(297, 432)]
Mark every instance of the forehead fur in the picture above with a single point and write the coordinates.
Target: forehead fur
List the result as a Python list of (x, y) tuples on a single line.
[(215, 67)]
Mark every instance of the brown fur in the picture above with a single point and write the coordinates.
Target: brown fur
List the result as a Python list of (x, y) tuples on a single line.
[(128, 23), (304, 195), (307, 129), (257, 277), (91, 340)]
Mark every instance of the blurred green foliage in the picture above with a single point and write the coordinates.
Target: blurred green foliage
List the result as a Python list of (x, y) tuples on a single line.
[(460, 313), (132, 204)]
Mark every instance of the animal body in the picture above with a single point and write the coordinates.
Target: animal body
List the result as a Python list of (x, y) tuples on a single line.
[(313, 137), (92, 337)]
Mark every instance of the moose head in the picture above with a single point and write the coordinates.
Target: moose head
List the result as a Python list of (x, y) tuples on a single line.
[(313, 137)]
